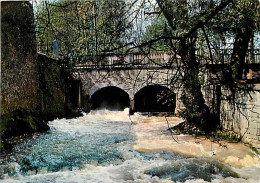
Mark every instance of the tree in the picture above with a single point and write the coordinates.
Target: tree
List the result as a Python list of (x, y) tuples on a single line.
[(192, 24), (82, 28), (186, 18), (158, 28), (243, 31)]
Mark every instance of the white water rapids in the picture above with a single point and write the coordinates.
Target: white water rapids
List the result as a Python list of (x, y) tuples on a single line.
[(109, 146)]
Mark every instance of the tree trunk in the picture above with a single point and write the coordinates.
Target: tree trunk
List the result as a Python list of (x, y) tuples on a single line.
[(242, 39), (239, 52), (197, 112), (177, 12)]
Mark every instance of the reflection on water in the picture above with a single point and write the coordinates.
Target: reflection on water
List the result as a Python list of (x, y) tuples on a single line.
[(99, 147)]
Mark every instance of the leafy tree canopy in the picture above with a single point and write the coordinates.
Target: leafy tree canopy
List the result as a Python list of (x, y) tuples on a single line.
[(82, 28)]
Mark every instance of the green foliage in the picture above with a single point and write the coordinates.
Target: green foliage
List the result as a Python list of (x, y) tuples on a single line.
[(225, 135), (253, 148), (158, 28), (81, 27)]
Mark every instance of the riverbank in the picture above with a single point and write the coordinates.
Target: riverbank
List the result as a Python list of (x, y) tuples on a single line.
[(21, 122), (152, 135)]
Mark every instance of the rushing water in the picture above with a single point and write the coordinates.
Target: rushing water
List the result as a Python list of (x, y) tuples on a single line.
[(99, 147)]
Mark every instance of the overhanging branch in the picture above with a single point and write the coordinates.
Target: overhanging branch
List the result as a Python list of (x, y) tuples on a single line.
[(214, 12)]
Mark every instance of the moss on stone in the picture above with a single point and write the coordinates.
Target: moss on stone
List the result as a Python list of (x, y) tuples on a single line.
[(18, 57), (21, 122), (252, 148), (34, 88), (32, 122)]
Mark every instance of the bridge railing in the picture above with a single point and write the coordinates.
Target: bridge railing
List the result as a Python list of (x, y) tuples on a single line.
[(108, 60), (223, 56), (252, 56), (121, 60)]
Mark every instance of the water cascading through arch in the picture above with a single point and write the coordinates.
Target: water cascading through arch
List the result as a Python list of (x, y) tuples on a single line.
[(155, 98), (110, 97)]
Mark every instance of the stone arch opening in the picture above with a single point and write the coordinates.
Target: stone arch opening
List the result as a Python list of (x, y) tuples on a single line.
[(155, 98), (111, 97)]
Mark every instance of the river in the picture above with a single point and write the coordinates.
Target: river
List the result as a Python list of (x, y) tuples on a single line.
[(109, 146)]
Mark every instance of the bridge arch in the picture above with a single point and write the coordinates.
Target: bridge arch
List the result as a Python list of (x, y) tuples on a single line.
[(154, 98), (97, 86), (110, 97)]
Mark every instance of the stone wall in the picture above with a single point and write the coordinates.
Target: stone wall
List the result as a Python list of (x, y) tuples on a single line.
[(19, 71), (18, 57), (243, 117), (58, 91), (52, 86), (34, 88), (240, 114)]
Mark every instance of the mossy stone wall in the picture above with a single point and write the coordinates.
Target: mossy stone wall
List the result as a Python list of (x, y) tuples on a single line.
[(34, 88), (244, 117), (18, 57), (52, 83)]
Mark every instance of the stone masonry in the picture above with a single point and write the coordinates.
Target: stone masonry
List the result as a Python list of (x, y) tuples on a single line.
[(243, 117), (129, 80)]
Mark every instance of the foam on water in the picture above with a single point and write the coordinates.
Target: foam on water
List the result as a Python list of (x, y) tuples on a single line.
[(133, 170), (82, 124), (109, 146)]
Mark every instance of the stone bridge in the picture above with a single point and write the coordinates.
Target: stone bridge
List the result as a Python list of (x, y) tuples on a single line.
[(141, 82), (141, 88)]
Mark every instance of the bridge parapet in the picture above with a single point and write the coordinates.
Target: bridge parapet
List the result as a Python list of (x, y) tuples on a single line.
[(112, 60), (122, 60)]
